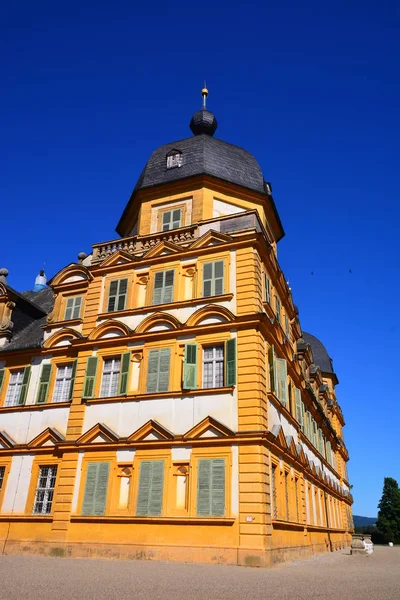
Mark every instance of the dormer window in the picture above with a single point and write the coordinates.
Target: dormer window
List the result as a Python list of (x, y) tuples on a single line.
[(174, 159)]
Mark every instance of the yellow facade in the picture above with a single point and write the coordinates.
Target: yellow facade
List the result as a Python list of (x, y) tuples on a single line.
[(244, 465)]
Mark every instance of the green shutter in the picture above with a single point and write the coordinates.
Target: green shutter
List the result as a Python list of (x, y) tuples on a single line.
[(158, 370), (158, 287), (122, 290), (281, 373), (278, 309), (230, 352), (213, 278), (287, 331), (163, 373), (123, 378), (190, 367), (267, 288), (272, 369), (24, 387), (76, 313), (95, 497), (152, 371), (44, 383), (211, 487), (73, 374), (2, 373), (163, 287), (90, 377), (299, 408), (112, 296), (151, 485), (117, 295), (68, 309)]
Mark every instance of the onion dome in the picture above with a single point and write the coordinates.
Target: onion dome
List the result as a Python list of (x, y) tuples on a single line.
[(203, 121)]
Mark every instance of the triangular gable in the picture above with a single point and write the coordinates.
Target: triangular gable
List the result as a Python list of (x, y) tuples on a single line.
[(99, 433), (150, 431), (211, 238), (120, 257), (5, 441), (291, 445), (49, 437), (301, 454), (164, 247), (208, 427), (278, 434)]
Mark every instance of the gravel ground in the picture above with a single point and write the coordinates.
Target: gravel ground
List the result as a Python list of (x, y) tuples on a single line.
[(330, 576)]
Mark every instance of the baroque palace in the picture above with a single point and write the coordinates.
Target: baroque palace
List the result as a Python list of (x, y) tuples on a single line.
[(158, 398)]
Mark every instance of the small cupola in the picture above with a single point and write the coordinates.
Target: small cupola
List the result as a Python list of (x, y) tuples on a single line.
[(40, 281), (203, 121)]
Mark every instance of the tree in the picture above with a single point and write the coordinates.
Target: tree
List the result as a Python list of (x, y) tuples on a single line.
[(389, 511)]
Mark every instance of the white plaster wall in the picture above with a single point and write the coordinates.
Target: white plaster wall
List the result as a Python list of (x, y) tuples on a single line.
[(125, 455), (24, 426), (77, 482), (276, 418), (16, 492), (177, 414), (182, 453), (221, 208)]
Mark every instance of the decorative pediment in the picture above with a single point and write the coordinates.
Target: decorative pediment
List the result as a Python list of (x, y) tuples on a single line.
[(49, 437), (151, 431), (98, 434), (73, 273), (279, 436), (158, 322), (6, 441), (291, 444), (162, 248), (64, 337), (109, 329), (211, 238), (301, 454), (120, 257), (211, 311), (208, 427)]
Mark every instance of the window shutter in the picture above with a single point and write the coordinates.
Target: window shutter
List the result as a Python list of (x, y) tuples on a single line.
[(278, 309), (207, 279), (218, 278), (287, 331), (152, 371), (151, 484), (281, 372), (24, 387), (272, 369), (2, 373), (123, 378), (90, 377), (73, 374), (204, 487), (267, 288), (94, 500), (168, 286), (299, 408), (211, 487), (230, 352), (158, 287), (68, 309), (77, 307), (122, 289), (218, 487), (321, 442), (44, 383), (190, 367), (112, 296), (163, 373)]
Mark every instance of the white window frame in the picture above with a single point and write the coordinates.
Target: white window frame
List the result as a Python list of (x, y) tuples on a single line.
[(62, 384), (47, 490), (14, 387), (171, 221), (214, 360), (112, 367)]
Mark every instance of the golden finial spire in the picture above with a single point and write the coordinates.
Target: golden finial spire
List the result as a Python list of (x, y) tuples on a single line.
[(204, 93)]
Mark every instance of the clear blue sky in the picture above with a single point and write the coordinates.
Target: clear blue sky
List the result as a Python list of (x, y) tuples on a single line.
[(312, 89)]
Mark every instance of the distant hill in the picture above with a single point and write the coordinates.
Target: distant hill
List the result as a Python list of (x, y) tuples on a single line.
[(363, 521)]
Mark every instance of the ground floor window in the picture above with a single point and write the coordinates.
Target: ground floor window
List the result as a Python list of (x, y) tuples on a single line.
[(45, 490)]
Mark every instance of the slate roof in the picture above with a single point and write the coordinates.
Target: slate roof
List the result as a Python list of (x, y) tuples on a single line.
[(28, 317), (204, 155), (320, 354)]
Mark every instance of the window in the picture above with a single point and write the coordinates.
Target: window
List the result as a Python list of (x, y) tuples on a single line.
[(17, 387), (158, 370), (282, 383), (213, 367), (213, 278), (151, 485), (62, 386), (174, 159), (299, 409), (296, 491), (2, 471), (211, 487), (287, 330), (117, 295), (110, 379), (95, 496), (274, 495), (278, 309), (163, 287), (267, 288), (73, 308), (287, 505), (171, 219), (45, 490)]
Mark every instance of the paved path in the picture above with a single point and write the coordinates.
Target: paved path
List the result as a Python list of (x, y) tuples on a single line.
[(331, 576)]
